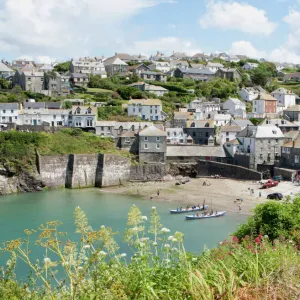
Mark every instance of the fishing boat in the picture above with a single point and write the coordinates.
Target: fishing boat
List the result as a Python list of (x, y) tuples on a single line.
[(184, 210), (195, 217)]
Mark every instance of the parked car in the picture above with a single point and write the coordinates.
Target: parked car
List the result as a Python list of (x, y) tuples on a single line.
[(275, 196), (270, 183), (277, 178)]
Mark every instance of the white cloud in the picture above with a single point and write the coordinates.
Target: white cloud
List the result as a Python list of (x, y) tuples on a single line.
[(64, 27), (246, 48), (237, 16), (165, 45)]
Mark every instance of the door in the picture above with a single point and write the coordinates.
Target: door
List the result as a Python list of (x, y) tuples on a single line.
[(10, 119), (34, 122), (156, 118), (52, 123), (143, 117)]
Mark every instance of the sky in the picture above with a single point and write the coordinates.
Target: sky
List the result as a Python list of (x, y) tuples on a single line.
[(58, 30)]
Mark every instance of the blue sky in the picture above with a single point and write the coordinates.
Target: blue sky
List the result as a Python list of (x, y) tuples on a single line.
[(63, 29)]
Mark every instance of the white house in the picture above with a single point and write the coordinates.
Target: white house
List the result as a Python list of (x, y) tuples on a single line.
[(214, 67), (232, 147), (235, 107), (284, 97), (145, 87), (228, 133), (221, 119), (176, 136), (249, 66), (83, 117), (232, 58), (204, 110), (51, 117), (251, 93), (146, 109), (161, 66), (265, 104), (9, 112)]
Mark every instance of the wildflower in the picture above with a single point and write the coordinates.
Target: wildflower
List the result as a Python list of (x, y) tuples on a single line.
[(65, 264), (102, 253), (266, 237), (144, 218), (174, 240), (135, 229), (47, 260), (144, 239), (154, 244), (80, 268), (86, 247), (153, 207), (167, 246), (194, 259), (167, 261), (260, 236), (229, 253), (170, 237), (142, 245), (123, 255), (165, 230), (235, 239), (174, 249), (78, 207), (257, 240), (102, 226)]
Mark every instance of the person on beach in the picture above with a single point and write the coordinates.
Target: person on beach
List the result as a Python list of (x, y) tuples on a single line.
[(240, 208), (157, 193)]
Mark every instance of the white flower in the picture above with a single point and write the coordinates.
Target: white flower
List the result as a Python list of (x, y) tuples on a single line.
[(153, 207), (102, 253), (174, 240), (194, 259), (86, 247), (170, 237), (80, 268), (154, 244), (167, 261), (165, 230), (123, 255), (47, 260), (144, 239), (65, 263), (142, 245), (135, 229), (102, 226), (144, 218), (78, 207), (174, 249), (266, 237), (167, 246)]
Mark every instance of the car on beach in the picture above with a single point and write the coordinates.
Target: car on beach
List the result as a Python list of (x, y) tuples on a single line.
[(275, 196)]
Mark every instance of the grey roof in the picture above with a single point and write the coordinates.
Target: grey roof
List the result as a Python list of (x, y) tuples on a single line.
[(9, 106), (242, 123), (264, 131), (293, 108), (196, 71), (153, 73), (152, 131), (200, 151), (4, 68), (79, 75), (38, 105)]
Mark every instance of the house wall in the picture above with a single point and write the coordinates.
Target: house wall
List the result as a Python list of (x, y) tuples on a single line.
[(8, 115), (285, 99), (226, 136), (288, 160), (200, 135), (146, 112), (270, 107), (151, 149)]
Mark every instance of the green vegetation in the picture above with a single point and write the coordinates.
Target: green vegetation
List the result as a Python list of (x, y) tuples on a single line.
[(18, 148), (91, 267), (62, 67)]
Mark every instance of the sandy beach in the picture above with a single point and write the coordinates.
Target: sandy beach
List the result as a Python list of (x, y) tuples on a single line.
[(222, 192)]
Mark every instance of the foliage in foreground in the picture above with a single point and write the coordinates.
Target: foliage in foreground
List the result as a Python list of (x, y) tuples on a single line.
[(159, 268)]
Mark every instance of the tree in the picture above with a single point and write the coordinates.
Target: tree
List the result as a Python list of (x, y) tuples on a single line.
[(67, 104), (126, 92), (18, 92), (4, 84), (62, 67)]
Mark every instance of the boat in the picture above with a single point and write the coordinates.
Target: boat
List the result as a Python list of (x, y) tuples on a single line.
[(184, 210), (195, 217)]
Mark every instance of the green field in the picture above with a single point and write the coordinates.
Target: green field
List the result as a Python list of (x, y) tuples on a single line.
[(96, 90)]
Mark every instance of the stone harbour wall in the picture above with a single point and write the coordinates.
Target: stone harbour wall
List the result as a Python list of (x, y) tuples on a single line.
[(208, 168), (149, 172)]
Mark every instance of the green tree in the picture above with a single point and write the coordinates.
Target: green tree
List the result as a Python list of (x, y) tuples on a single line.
[(18, 92), (62, 67), (67, 104), (4, 84), (126, 92)]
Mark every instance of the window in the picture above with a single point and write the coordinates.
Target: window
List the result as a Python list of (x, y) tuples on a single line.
[(157, 138), (146, 146), (156, 111), (168, 133), (54, 117), (146, 139), (89, 122), (151, 111), (269, 141), (134, 110), (227, 133), (4, 111), (12, 111), (194, 133), (296, 159), (227, 139), (140, 109), (102, 128), (206, 134), (157, 146), (276, 141), (127, 140), (16, 118)]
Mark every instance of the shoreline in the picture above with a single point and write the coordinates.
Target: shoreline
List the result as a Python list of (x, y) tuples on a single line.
[(222, 193)]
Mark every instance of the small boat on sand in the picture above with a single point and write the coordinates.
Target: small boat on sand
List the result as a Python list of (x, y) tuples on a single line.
[(195, 217), (184, 210)]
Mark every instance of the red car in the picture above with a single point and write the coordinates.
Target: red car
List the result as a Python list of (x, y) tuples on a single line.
[(270, 183)]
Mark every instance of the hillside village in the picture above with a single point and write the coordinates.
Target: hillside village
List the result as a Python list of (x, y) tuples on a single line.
[(219, 107)]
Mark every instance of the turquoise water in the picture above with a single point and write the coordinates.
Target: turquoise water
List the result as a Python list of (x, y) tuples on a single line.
[(28, 211)]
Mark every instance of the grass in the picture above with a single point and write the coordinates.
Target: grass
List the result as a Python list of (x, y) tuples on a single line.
[(93, 268), (97, 90)]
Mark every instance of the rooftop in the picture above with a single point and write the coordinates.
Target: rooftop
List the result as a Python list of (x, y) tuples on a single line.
[(145, 101), (231, 128), (152, 131), (293, 108)]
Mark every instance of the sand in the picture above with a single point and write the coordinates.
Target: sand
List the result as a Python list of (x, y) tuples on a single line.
[(222, 192)]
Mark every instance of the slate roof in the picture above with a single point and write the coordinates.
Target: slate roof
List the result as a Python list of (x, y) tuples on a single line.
[(200, 124), (283, 91), (40, 105), (200, 151), (152, 73), (4, 68), (265, 131), (79, 75), (114, 61), (231, 128), (242, 123), (128, 134), (152, 131), (9, 106), (196, 71), (266, 97)]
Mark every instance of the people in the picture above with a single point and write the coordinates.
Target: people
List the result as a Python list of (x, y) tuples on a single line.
[(177, 208), (157, 193), (216, 212), (180, 208), (197, 215)]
